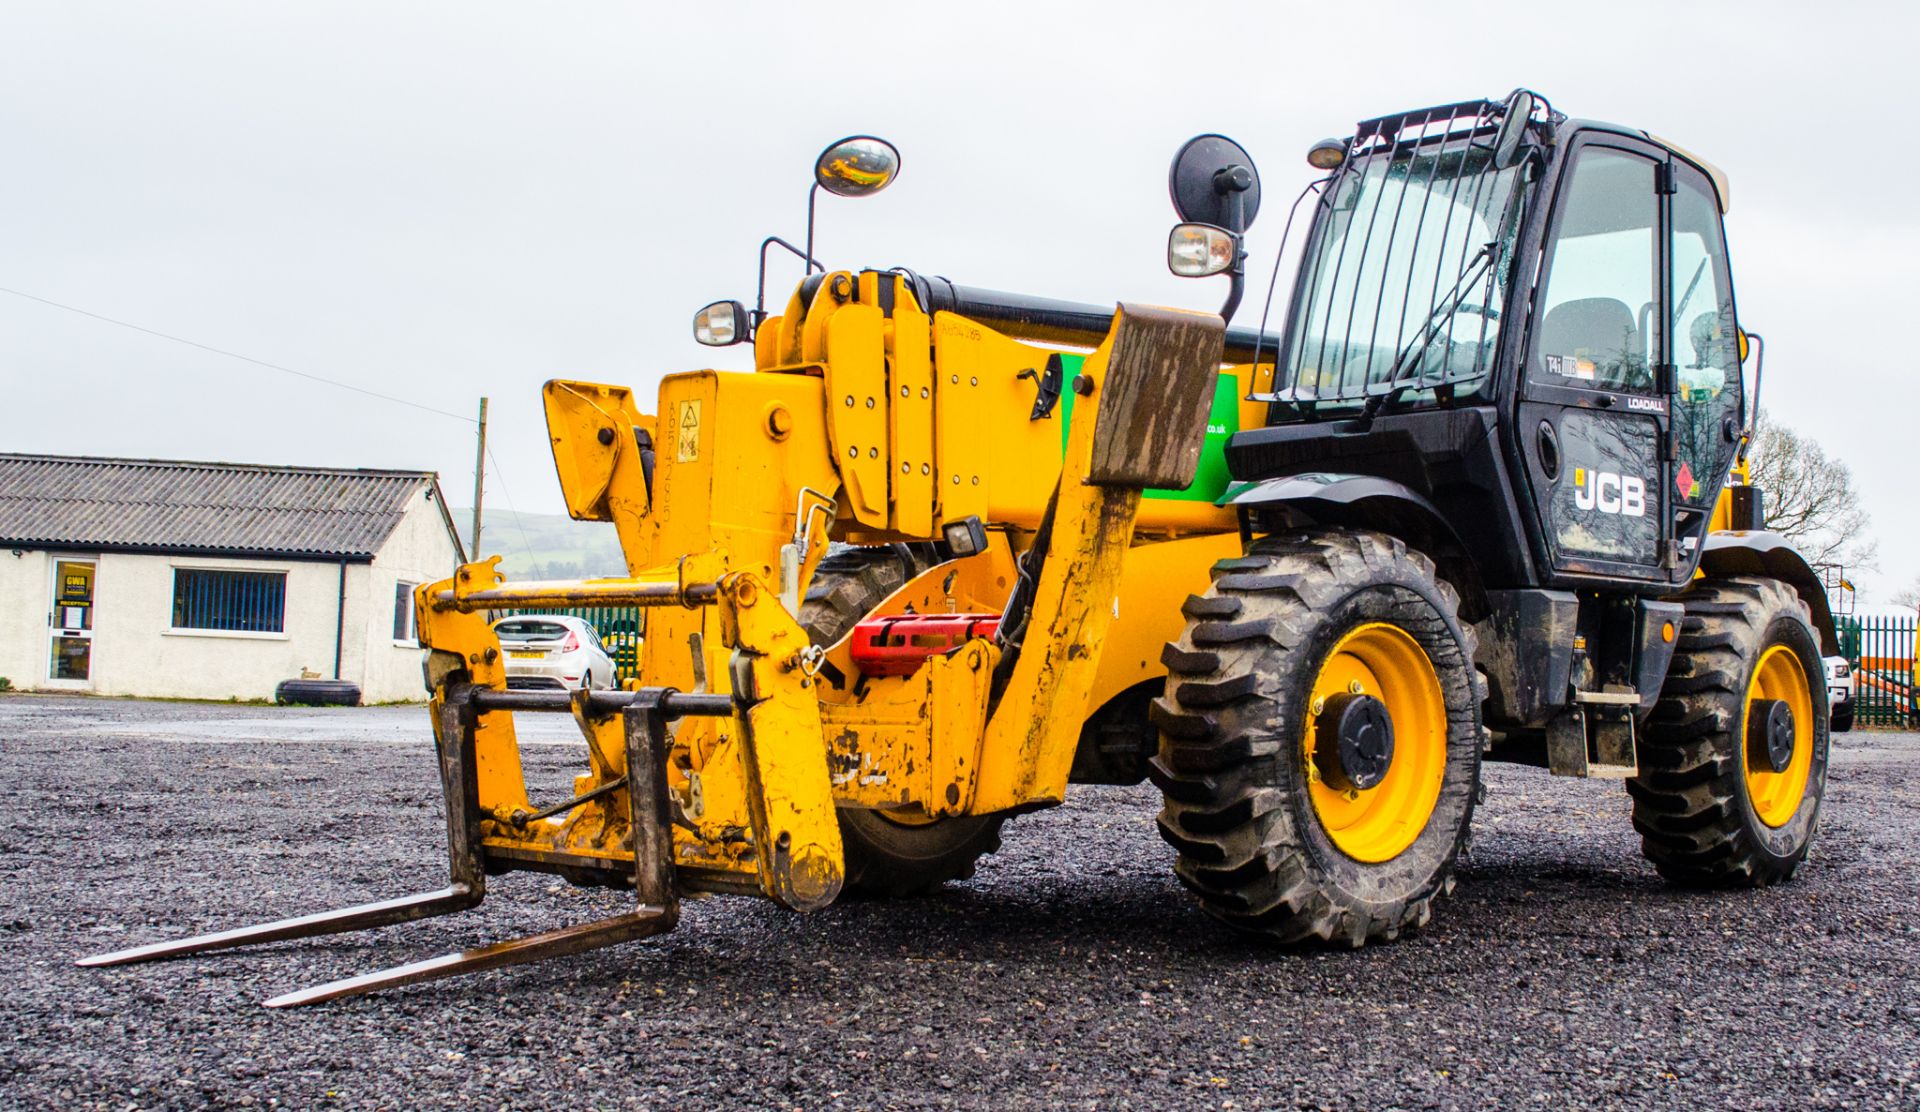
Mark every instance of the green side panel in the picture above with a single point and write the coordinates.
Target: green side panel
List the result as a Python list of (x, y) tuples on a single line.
[(1210, 479)]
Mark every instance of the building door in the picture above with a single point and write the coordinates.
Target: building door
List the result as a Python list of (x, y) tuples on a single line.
[(70, 636)]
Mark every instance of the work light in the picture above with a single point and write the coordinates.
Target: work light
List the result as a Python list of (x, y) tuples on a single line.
[(720, 324)]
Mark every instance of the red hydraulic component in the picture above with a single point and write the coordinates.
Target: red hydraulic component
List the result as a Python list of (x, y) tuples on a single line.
[(897, 645)]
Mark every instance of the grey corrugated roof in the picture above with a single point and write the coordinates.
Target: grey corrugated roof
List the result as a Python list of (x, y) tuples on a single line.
[(174, 506)]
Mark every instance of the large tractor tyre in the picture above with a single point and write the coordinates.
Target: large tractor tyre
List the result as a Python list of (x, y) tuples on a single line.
[(1320, 739), (317, 693), (849, 583), (1734, 757), (892, 853)]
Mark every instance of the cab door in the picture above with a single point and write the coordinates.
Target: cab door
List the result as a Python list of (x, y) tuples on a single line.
[(1708, 405), (1594, 418)]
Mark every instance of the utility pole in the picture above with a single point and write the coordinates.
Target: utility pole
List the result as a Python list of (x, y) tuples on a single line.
[(479, 480)]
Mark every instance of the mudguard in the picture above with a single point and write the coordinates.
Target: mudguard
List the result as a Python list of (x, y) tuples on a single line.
[(1763, 552), (1371, 502), (1329, 489)]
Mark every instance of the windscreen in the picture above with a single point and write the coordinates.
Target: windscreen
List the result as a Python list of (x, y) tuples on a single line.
[(524, 630), (1403, 280)]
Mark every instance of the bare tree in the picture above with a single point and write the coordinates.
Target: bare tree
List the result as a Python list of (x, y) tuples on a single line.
[(1908, 596), (1810, 498)]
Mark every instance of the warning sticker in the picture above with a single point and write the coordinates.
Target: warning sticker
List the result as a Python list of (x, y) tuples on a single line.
[(1685, 481), (689, 434)]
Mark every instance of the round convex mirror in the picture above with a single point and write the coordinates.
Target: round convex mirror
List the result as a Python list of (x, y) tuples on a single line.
[(1207, 173), (857, 166)]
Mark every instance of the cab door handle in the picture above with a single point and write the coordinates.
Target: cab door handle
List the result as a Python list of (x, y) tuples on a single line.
[(1548, 449)]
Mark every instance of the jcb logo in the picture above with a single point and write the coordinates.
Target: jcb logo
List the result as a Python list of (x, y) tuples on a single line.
[(1609, 492)]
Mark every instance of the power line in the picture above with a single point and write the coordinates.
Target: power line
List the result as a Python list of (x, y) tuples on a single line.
[(237, 355)]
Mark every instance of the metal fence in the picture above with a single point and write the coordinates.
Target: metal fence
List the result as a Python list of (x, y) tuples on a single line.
[(620, 629), (1880, 650)]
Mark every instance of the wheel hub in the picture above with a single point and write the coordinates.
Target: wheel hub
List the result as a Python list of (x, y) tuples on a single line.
[(1362, 734), (1770, 732)]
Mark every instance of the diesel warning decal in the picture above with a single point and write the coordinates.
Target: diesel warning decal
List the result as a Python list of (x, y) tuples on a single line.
[(1609, 492), (689, 435)]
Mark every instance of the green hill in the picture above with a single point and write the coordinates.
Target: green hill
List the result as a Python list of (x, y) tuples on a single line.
[(545, 546)]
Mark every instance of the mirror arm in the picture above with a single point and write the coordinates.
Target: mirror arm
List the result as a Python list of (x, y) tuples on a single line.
[(1237, 277), (812, 192), (760, 293)]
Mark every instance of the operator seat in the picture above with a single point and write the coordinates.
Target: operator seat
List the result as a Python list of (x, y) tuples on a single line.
[(1710, 335), (1600, 330), (1715, 354)]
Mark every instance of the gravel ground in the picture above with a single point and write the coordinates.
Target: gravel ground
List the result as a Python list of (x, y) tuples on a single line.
[(1072, 972)]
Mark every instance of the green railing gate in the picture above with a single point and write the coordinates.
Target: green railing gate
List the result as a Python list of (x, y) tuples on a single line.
[(620, 629), (1879, 648)]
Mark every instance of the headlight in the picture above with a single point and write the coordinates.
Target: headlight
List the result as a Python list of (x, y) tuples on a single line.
[(1197, 250), (1840, 670), (720, 324)]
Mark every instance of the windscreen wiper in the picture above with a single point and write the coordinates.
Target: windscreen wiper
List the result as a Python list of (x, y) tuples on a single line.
[(1442, 311)]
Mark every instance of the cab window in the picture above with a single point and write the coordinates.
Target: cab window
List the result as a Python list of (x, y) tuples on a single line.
[(1706, 347), (1595, 326)]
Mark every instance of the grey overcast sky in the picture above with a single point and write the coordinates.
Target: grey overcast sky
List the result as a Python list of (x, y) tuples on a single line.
[(440, 201)]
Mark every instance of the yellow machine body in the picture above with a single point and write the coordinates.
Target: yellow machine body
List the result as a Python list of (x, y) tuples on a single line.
[(862, 425)]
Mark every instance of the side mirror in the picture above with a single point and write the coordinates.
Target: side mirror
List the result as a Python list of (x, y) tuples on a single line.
[(1511, 138), (1213, 181), (1201, 250), (1216, 191), (721, 324), (857, 166)]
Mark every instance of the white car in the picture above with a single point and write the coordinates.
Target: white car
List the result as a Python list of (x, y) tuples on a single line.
[(553, 652), (1839, 694)]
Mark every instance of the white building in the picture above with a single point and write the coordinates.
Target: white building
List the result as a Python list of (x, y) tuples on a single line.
[(214, 580)]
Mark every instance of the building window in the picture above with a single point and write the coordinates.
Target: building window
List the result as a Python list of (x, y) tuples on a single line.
[(234, 601), (403, 611)]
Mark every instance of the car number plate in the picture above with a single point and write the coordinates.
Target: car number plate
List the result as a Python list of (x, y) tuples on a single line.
[(523, 654)]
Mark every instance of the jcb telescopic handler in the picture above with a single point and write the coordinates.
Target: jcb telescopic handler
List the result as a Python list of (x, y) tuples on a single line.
[(1482, 498)]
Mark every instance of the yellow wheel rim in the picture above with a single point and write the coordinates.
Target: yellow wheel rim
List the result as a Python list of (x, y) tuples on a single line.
[(1377, 824), (1776, 796)]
